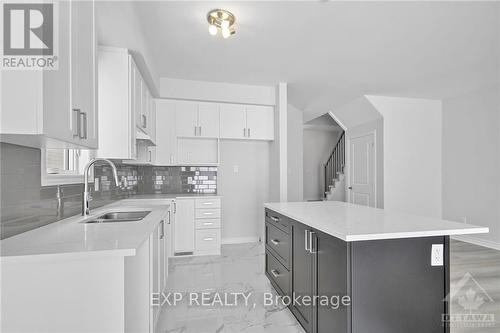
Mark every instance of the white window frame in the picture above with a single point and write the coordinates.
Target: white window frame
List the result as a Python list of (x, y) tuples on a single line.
[(63, 178)]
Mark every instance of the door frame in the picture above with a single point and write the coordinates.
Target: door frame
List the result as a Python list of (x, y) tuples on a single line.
[(347, 169)]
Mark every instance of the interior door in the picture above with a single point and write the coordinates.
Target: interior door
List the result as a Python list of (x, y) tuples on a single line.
[(232, 121), (184, 226), (362, 170), (303, 276), (260, 122), (186, 118), (208, 120)]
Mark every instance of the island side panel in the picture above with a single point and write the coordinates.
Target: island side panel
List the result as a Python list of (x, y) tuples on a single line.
[(396, 289)]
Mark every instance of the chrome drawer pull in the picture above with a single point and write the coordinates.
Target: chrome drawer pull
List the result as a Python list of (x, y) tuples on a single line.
[(208, 239), (275, 219), (275, 273), (275, 241), (208, 203), (208, 223), (208, 213), (306, 240)]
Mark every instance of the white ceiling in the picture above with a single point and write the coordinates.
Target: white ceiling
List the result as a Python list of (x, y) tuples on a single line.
[(328, 52)]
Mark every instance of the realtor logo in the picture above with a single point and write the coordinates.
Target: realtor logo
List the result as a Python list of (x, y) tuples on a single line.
[(29, 39)]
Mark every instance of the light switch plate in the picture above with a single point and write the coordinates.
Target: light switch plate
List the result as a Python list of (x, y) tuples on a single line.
[(437, 255)]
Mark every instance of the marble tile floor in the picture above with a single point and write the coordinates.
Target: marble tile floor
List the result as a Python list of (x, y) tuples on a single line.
[(240, 268)]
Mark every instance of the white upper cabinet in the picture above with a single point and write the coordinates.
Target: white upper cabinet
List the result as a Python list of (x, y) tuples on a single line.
[(166, 139), (57, 108), (246, 122), (232, 121), (260, 122), (186, 118), (197, 119), (208, 120)]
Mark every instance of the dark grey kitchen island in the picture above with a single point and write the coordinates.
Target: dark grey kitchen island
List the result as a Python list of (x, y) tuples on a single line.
[(392, 267)]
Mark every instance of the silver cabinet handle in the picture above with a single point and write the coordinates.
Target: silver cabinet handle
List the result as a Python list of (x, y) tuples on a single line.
[(77, 127), (208, 239), (175, 207), (149, 156), (275, 219), (200, 131), (275, 241), (169, 217), (144, 121), (208, 203), (275, 273), (162, 223), (208, 223), (311, 249), (249, 132), (306, 240), (207, 213), (244, 132), (83, 123)]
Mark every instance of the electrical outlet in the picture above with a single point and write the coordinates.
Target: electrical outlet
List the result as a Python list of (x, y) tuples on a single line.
[(437, 255)]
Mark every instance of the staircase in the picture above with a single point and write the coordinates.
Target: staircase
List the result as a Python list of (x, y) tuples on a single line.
[(334, 187)]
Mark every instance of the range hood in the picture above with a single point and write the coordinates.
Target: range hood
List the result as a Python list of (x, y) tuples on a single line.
[(144, 138)]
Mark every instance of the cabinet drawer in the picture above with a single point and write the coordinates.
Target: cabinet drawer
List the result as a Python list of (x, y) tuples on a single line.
[(207, 239), (278, 274), (207, 223), (280, 221), (207, 213), (278, 241), (208, 203)]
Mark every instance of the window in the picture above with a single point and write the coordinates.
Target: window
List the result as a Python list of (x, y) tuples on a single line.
[(63, 166)]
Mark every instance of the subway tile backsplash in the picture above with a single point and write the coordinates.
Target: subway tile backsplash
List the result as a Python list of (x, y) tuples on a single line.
[(25, 205)]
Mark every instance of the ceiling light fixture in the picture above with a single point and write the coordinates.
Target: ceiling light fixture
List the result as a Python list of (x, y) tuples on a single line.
[(220, 19)]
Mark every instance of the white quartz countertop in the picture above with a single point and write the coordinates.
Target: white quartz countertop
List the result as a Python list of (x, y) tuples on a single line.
[(351, 222), (69, 238)]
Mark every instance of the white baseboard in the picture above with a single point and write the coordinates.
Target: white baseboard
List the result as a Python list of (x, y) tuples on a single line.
[(478, 241), (240, 240)]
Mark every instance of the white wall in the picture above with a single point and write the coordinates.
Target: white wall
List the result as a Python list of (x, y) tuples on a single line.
[(317, 146), (412, 154), (295, 154), (471, 160), (243, 192), (217, 91)]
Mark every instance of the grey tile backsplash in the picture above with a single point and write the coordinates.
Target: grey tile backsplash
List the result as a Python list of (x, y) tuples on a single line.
[(25, 205)]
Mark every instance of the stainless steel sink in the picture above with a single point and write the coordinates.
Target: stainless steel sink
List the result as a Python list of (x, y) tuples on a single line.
[(119, 217)]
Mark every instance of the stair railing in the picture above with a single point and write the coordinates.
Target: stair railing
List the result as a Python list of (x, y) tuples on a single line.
[(335, 163)]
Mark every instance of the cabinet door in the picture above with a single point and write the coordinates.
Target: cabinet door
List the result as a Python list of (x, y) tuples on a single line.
[(232, 121), (152, 118), (302, 275), (163, 255), (166, 140), (331, 277), (184, 226), (83, 70), (186, 118), (154, 270), (59, 121), (145, 125), (137, 94), (208, 120), (260, 122)]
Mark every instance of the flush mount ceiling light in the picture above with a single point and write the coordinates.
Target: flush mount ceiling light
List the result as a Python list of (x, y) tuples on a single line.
[(220, 19)]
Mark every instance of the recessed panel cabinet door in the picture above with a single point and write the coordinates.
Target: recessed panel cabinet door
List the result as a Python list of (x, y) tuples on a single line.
[(260, 122), (208, 120), (232, 121), (186, 118), (166, 140), (184, 226), (302, 275)]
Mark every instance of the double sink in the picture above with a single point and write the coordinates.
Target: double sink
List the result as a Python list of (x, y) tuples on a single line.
[(112, 217)]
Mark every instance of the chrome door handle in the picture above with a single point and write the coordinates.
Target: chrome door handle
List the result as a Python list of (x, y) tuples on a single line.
[(275, 273), (244, 132), (249, 132), (275, 242), (168, 217), (275, 219), (144, 121), (207, 213), (162, 223), (83, 125), (208, 239), (150, 156), (208, 223), (311, 250), (208, 203), (306, 240), (77, 126), (200, 130)]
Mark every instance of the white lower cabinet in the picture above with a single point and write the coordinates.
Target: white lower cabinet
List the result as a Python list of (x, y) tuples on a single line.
[(197, 226)]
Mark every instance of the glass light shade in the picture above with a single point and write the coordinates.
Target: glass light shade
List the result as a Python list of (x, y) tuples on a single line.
[(226, 33), (224, 25), (212, 29)]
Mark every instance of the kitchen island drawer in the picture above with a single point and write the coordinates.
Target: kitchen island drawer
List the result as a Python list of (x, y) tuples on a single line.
[(208, 203), (279, 242), (280, 221), (207, 213), (278, 274)]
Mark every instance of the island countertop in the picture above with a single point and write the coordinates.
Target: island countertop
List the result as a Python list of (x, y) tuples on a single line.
[(351, 222)]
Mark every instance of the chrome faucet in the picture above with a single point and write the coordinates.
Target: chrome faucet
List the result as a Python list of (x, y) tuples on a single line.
[(86, 194)]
